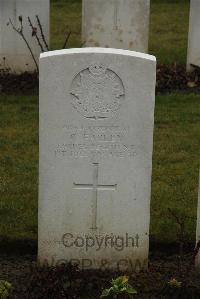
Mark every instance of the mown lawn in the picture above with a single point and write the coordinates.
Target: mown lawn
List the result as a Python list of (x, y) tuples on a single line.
[(169, 30), (176, 135), (18, 166), (175, 165), (168, 27)]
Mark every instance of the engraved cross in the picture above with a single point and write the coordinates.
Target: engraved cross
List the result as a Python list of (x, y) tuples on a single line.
[(95, 187)]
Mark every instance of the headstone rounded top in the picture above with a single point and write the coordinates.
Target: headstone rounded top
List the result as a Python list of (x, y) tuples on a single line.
[(98, 50)]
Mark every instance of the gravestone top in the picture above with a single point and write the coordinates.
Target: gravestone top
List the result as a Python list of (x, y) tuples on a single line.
[(99, 50), (122, 24), (15, 57), (96, 140)]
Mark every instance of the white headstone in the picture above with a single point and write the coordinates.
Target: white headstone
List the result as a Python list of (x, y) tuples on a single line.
[(193, 55), (122, 24), (14, 53), (96, 137), (198, 229)]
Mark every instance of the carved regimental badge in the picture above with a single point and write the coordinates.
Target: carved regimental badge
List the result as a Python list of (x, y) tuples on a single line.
[(97, 92)]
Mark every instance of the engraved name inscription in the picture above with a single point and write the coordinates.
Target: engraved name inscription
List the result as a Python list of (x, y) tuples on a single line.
[(96, 142), (97, 92)]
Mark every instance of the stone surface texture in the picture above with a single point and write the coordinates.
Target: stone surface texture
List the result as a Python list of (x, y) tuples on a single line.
[(14, 54), (193, 54), (96, 138), (122, 24)]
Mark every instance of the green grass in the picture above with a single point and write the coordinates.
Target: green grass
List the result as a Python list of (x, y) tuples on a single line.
[(65, 18), (18, 166), (176, 135), (175, 165), (169, 30), (168, 27)]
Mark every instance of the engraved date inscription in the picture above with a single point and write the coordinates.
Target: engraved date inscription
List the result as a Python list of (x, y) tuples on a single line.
[(96, 142)]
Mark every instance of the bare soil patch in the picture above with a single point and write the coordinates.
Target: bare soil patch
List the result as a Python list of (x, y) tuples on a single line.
[(33, 282)]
